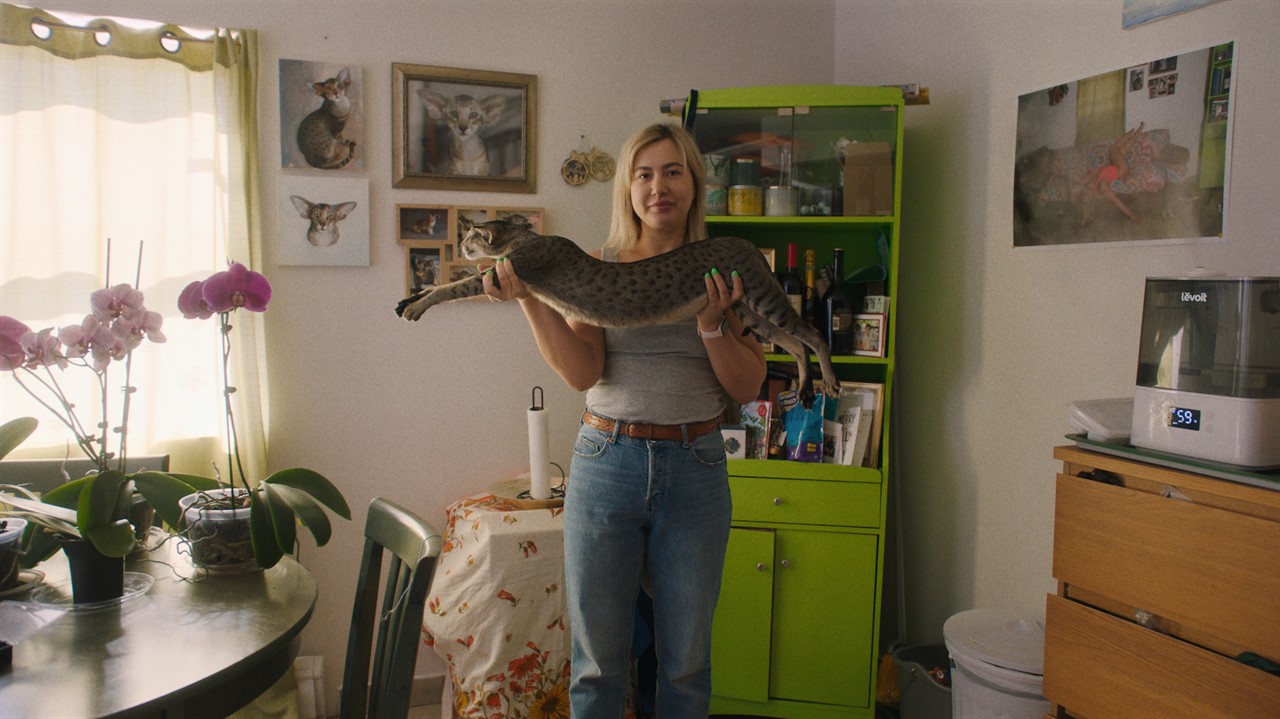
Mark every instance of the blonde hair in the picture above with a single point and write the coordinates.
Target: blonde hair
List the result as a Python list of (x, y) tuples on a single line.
[(624, 228)]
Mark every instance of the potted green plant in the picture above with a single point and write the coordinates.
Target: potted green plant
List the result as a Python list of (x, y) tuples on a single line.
[(88, 517), (280, 501), (96, 508)]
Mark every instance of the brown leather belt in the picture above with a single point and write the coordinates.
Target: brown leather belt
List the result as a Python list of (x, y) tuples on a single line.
[(652, 431)]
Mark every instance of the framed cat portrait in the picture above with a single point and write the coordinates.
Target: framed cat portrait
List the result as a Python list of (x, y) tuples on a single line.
[(455, 129), (424, 264), (423, 222)]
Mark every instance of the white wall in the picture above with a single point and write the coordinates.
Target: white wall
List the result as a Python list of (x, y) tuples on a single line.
[(429, 413), (994, 341)]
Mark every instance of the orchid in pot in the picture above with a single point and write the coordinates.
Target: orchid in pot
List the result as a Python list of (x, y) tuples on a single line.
[(270, 512), (87, 516)]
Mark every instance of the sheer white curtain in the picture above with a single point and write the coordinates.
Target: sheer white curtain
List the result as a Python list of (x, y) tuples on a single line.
[(144, 134)]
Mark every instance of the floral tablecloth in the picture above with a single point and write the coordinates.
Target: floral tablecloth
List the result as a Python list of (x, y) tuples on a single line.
[(496, 610)]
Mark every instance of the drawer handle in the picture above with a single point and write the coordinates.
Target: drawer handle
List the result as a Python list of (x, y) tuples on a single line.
[(777, 501), (761, 567), (785, 563)]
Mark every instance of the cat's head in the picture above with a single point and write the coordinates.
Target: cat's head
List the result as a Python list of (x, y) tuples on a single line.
[(494, 239)]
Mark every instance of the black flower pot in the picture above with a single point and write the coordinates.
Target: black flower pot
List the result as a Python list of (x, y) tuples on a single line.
[(95, 577)]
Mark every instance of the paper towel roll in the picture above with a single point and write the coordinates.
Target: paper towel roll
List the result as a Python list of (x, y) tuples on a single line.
[(539, 486)]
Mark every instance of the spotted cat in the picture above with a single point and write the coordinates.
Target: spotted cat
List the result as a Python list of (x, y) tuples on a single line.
[(657, 290), (320, 133)]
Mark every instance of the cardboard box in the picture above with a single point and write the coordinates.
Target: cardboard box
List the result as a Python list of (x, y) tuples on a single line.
[(868, 178)]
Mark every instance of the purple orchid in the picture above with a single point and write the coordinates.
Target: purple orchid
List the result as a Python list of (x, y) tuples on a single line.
[(237, 287)]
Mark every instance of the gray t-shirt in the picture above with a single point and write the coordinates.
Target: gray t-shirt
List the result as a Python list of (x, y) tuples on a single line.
[(658, 374)]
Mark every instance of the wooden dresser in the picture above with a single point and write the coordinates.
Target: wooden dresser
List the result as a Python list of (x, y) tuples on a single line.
[(1166, 579)]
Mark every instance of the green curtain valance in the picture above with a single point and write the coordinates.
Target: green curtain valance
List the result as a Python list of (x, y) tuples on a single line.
[(79, 40)]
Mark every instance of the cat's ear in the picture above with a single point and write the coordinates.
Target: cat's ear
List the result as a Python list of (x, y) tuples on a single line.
[(344, 209), (304, 207), (435, 103), (344, 76), (493, 107), (464, 224)]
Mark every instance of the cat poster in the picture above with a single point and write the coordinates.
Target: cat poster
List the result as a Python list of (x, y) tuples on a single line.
[(321, 116), (323, 221), (455, 129)]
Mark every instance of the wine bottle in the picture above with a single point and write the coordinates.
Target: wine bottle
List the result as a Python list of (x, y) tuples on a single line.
[(810, 307), (839, 308), (791, 283)]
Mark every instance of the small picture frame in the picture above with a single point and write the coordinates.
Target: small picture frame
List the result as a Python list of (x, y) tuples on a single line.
[(531, 215), (735, 441), (460, 269), (471, 215), (868, 397), (769, 256), (869, 334), (423, 222), (424, 262), (428, 155)]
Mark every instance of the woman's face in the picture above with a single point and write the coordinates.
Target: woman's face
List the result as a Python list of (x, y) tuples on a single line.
[(661, 187)]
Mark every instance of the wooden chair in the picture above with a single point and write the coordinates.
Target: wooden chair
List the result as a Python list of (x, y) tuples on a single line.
[(414, 547)]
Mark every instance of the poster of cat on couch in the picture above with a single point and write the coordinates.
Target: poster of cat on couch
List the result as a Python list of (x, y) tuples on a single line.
[(1136, 154)]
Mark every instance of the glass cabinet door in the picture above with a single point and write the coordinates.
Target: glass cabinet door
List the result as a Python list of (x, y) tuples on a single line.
[(801, 149)]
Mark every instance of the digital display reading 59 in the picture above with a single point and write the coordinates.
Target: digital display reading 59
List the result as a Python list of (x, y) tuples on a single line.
[(1184, 418)]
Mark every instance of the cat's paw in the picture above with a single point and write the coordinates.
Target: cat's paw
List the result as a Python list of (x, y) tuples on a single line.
[(411, 308)]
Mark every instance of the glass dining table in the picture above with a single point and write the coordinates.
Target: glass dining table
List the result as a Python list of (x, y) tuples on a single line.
[(177, 645)]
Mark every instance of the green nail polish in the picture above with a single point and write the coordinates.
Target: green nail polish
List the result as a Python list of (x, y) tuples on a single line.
[(735, 273), (706, 275), (715, 271)]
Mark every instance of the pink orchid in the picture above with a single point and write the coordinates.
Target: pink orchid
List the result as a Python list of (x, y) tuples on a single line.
[(191, 302), (43, 349), (118, 301), (12, 356), (235, 288)]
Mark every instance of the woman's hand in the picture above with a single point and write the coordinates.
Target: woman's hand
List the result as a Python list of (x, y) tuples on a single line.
[(508, 286), (720, 297)]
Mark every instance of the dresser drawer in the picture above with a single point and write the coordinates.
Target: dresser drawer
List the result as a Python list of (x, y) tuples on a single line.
[(802, 501), (1204, 571), (1096, 665)]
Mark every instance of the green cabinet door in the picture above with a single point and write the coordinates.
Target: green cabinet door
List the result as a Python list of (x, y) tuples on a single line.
[(824, 602), (740, 635)]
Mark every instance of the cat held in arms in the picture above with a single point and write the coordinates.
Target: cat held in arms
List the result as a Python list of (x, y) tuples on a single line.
[(656, 290)]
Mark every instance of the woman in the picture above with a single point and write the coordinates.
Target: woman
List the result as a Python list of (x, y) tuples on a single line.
[(648, 494)]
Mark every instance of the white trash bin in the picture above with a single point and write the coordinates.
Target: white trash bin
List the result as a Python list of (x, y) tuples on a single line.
[(997, 665)]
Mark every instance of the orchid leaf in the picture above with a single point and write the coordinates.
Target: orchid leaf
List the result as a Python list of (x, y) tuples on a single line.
[(162, 491), (114, 540), (308, 511), (197, 482), (265, 548), (314, 484), (41, 544), (102, 513), (15, 432), (282, 518)]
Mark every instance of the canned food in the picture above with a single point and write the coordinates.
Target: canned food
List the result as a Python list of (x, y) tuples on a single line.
[(717, 169), (746, 171), (745, 200), (717, 201), (780, 201)]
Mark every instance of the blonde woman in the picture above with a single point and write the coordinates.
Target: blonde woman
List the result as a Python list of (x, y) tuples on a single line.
[(648, 494)]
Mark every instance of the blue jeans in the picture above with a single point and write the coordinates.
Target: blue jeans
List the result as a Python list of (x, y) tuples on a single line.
[(654, 509)]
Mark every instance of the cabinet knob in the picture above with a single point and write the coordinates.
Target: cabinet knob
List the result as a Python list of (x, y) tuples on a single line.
[(777, 501), (761, 567), (785, 563)]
